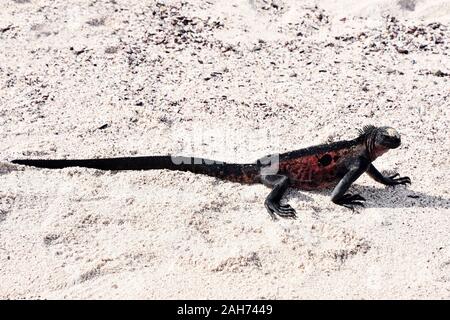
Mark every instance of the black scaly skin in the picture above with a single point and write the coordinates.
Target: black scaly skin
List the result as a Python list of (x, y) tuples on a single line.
[(227, 171), (336, 165)]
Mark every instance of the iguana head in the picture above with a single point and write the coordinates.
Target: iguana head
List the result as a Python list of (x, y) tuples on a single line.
[(387, 137), (379, 140)]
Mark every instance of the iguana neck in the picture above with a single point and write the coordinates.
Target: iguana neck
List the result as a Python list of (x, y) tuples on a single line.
[(373, 150)]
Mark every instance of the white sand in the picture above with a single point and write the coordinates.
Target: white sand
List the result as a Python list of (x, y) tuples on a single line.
[(247, 78)]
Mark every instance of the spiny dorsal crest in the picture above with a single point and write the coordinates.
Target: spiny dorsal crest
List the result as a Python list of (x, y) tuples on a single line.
[(366, 130)]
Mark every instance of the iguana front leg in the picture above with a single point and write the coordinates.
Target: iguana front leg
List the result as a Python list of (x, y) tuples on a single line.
[(279, 183), (339, 195), (386, 180)]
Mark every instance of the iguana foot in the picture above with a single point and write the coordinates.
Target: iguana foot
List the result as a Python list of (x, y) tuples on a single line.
[(393, 180), (350, 200), (283, 211)]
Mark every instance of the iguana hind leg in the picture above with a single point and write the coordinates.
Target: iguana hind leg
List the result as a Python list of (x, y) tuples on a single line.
[(279, 183)]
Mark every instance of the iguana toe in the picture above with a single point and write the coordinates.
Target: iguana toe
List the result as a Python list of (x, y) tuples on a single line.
[(276, 209), (350, 200)]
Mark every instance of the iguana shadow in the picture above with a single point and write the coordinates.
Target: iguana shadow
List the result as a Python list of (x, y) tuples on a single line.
[(297, 194), (398, 197)]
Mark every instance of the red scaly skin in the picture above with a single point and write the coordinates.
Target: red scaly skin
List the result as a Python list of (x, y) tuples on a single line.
[(318, 171)]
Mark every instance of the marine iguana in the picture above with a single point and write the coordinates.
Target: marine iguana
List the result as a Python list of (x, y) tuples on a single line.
[(336, 164)]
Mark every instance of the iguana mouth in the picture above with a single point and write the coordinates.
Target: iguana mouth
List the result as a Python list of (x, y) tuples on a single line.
[(392, 142)]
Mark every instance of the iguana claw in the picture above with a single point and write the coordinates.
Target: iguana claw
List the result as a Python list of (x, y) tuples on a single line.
[(350, 200), (276, 209), (393, 180)]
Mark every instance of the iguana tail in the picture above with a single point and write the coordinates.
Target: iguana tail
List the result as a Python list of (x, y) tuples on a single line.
[(244, 173)]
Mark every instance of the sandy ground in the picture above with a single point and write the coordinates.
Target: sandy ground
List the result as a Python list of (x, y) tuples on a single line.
[(230, 80)]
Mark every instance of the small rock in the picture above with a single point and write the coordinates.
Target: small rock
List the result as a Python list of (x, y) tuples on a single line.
[(402, 50), (7, 28), (390, 70), (256, 48), (96, 22), (439, 73), (362, 34), (103, 126), (434, 25), (50, 238), (111, 50), (216, 74), (77, 50)]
